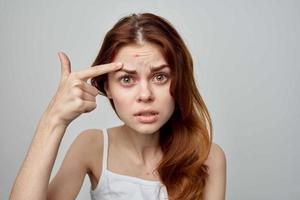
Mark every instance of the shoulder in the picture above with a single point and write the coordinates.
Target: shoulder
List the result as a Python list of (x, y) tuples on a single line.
[(88, 136), (88, 139), (87, 146), (81, 158), (215, 186), (216, 157)]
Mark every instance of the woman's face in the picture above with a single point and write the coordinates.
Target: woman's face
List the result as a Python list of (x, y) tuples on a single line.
[(141, 89)]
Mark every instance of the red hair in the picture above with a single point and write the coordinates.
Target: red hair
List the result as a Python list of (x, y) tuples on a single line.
[(187, 135)]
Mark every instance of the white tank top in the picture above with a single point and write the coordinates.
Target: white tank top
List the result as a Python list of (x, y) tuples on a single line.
[(113, 186)]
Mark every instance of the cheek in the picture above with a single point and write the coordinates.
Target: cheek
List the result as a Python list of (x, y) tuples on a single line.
[(169, 100), (164, 94), (121, 99), (170, 104), (165, 99)]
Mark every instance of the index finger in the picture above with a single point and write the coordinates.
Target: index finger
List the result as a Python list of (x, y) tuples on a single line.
[(98, 70)]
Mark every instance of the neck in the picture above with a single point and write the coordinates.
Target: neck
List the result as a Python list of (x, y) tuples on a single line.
[(144, 146)]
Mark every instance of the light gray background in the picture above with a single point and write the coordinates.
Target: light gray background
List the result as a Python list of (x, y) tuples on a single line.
[(246, 56)]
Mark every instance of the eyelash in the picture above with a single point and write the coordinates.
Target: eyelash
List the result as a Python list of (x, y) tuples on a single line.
[(156, 75)]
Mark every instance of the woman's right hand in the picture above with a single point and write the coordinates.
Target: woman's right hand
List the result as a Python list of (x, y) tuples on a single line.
[(74, 95)]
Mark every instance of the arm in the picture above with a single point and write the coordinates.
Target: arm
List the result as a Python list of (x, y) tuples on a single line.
[(73, 97), (32, 180), (76, 164), (216, 183)]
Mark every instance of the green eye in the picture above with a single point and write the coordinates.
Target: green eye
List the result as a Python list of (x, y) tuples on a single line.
[(125, 79), (161, 78)]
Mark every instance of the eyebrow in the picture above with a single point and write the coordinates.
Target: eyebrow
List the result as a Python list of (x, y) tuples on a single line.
[(152, 69)]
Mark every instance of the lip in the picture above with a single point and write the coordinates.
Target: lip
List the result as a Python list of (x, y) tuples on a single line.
[(147, 116), (144, 112)]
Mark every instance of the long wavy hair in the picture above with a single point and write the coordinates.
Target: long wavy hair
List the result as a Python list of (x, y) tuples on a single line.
[(187, 135)]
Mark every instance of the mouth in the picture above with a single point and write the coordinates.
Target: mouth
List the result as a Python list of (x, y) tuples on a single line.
[(146, 113), (146, 116)]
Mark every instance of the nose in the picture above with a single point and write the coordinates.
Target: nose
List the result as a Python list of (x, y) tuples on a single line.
[(145, 93)]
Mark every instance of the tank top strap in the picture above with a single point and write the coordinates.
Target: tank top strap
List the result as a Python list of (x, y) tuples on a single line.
[(105, 149)]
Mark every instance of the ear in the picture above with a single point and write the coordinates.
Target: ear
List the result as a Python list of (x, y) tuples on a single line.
[(107, 90)]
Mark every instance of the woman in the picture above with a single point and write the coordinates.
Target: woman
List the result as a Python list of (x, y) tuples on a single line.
[(164, 148)]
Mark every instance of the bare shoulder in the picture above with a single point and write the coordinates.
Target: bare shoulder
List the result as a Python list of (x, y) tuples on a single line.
[(89, 142), (89, 137), (87, 147), (216, 183), (216, 157), (81, 158)]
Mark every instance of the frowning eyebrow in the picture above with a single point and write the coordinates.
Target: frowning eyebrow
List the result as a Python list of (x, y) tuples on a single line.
[(152, 69)]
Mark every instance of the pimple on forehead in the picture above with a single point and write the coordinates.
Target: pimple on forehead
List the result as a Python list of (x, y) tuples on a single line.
[(141, 53)]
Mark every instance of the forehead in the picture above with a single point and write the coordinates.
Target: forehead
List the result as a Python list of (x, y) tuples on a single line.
[(147, 53)]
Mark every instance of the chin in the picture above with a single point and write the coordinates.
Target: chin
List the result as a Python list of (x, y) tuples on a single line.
[(146, 129)]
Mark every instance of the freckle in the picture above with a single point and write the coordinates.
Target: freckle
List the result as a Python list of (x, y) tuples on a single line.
[(136, 55)]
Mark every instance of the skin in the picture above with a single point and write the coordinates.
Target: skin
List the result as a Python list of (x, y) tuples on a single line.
[(133, 149), (72, 98), (145, 89)]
